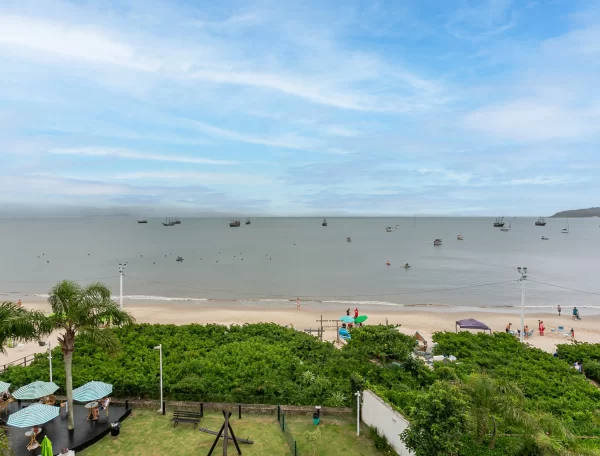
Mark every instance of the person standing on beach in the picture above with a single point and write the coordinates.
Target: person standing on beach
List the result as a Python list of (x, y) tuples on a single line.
[(508, 328), (356, 313), (526, 331), (559, 309), (19, 302), (298, 303), (348, 311)]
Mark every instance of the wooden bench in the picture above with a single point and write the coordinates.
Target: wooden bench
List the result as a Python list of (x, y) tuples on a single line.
[(184, 416)]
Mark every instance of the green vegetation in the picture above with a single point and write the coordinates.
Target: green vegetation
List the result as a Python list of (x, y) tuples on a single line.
[(588, 354), (148, 433), (262, 363)]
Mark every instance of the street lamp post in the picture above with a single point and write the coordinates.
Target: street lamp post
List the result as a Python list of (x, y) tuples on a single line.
[(522, 279), (357, 394), (50, 359), (121, 269), (159, 348)]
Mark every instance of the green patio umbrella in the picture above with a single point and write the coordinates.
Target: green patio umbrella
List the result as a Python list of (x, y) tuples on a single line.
[(4, 386), (360, 319), (47, 447), (35, 390)]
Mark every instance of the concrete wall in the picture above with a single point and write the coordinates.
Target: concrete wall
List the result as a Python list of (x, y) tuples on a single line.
[(378, 414)]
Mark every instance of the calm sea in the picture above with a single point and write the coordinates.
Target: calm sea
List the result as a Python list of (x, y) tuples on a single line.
[(280, 259)]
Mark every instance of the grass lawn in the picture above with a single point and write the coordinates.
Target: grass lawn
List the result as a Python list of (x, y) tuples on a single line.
[(148, 433)]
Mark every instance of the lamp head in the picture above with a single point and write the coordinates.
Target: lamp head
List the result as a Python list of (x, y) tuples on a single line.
[(519, 269), (525, 270), (158, 347)]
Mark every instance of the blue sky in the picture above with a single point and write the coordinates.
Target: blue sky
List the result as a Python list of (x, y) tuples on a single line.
[(300, 108)]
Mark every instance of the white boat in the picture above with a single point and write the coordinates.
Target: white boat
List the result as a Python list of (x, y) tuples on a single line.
[(460, 237), (565, 230), (397, 227), (437, 242), (506, 228), (389, 229)]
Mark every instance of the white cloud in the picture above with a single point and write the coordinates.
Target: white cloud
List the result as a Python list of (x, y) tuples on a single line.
[(548, 180), (135, 155), (217, 61), (286, 142), (339, 130), (534, 120), (71, 41), (201, 178)]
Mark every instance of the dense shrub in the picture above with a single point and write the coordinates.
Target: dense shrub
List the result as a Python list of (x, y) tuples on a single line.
[(585, 352)]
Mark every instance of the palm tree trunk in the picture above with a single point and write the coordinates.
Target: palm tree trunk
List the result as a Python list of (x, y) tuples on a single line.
[(493, 441), (68, 360)]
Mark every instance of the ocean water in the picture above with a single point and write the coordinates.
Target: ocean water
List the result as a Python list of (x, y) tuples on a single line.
[(280, 259)]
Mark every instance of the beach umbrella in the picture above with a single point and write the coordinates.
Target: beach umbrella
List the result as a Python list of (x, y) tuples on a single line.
[(34, 415), (4, 386), (347, 319), (35, 390), (360, 319), (47, 447), (92, 391)]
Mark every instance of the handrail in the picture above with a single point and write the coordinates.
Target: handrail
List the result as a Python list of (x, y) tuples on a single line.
[(27, 359)]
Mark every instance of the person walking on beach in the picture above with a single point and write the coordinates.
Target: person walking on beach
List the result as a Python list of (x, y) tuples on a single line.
[(575, 314), (508, 328), (298, 303), (542, 328), (572, 333), (559, 310)]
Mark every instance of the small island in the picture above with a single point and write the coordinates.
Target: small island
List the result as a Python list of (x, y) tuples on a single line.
[(589, 212)]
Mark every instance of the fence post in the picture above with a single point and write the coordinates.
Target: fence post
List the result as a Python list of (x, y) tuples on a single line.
[(202, 409), (279, 413), (164, 407), (295, 449), (283, 422), (240, 411)]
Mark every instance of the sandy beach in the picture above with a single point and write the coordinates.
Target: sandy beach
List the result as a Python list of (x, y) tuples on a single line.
[(426, 320)]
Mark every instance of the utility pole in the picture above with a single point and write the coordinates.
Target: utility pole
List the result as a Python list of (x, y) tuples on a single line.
[(121, 269), (357, 394), (159, 348), (522, 279), (50, 359)]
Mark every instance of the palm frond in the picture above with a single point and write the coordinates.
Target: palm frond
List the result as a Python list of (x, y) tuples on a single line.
[(104, 339), (16, 322)]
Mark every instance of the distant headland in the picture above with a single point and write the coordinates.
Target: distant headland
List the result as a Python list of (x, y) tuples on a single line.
[(589, 212)]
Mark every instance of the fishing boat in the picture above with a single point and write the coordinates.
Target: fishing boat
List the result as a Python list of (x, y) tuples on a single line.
[(180, 259), (565, 230), (168, 222), (348, 239), (460, 237), (248, 222), (177, 222), (499, 223), (506, 228), (324, 223), (234, 223), (142, 220), (544, 238), (540, 222), (389, 229), (437, 242)]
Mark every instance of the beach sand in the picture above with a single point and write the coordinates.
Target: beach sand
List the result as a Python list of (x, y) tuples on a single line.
[(426, 320)]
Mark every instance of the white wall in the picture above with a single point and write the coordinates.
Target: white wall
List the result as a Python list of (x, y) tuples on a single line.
[(378, 414)]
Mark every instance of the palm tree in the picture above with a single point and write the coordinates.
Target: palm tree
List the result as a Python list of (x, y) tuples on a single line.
[(494, 402), (81, 311), (16, 322)]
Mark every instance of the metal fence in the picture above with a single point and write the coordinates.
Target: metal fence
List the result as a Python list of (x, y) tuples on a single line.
[(289, 438)]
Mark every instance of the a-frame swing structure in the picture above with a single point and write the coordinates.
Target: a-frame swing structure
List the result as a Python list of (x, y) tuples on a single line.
[(225, 430)]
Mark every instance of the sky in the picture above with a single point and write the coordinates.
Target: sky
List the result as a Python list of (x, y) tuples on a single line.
[(185, 107)]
